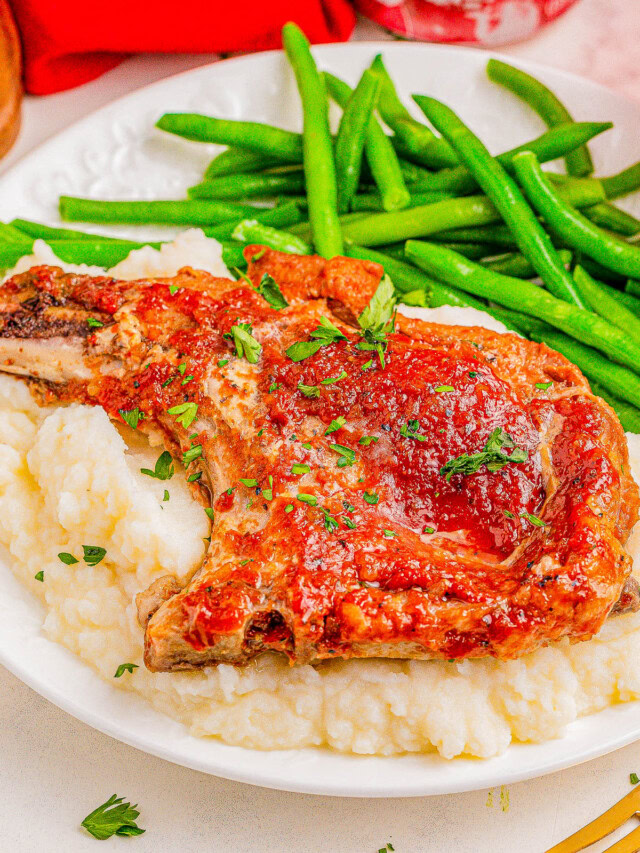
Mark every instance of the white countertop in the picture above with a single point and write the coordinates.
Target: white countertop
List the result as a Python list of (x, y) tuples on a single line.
[(54, 769)]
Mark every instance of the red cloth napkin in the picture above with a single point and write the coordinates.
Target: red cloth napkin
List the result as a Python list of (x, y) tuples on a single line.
[(68, 42)]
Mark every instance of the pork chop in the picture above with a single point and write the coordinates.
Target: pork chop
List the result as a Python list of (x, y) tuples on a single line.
[(426, 491)]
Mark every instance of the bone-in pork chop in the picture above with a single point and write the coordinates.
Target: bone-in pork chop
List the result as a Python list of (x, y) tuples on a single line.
[(425, 492)]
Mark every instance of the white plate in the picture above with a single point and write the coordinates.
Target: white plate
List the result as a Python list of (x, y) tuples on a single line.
[(116, 153)]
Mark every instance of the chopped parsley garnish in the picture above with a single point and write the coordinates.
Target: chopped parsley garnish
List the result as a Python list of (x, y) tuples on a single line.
[(301, 468), (163, 469), (348, 507), (306, 445), (348, 522), (331, 380), (633, 778), (173, 289), (288, 508), (248, 560), (330, 523), (93, 554), (222, 362), (441, 389), (389, 534), (308, 390), (209, 512), (543, 385), (508, 514), (335, 425), (367, 364), (410, 430), (472, 374), (249, 482), (371, 498), (182, 368), (427, 529), (67, 559), (114, 817), (271, 293), (267, 494), (366, 440), (491, 455), (274, 387), (186, 413), (166, 495), (191, 454), (246, 344), (132, 417), (193, 477), (533, 519), (258, 255), (187, 379), (326, 333), (377, 319), (125, 667), (168, 381), (311, 500), (347, 456), (39, 576), (92, 323)]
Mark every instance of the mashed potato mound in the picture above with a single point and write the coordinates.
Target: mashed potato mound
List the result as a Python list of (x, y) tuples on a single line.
[(59, 491)]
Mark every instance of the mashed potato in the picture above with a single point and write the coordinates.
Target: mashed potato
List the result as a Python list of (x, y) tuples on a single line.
[(69, 477)]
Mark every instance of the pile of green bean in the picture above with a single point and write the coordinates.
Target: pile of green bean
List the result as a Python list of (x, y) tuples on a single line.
[(548, 254)]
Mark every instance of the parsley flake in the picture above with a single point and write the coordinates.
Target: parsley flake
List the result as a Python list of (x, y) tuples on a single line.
[(182, 368), (209, 512), (335, 425), (173, 289), (125, 667), (389, 534), (191, 454), (441, 389), (491, 455), (330, 523), (377, 319), (194, 477), (347, 455), (410, 430), (93, 554), (367, 365), (274, 387), (114, 817), (186, 413), (326, 333), (543, 385), (271, 293), (311, 500), (533, 519), (371, 498), (366, 440), (222, 362), (288, 508), (249, 482), (92, 323), (348, 522), (132, 417), (166, 496), (331, 380), (39, 576), (301, 468), (67, 559), (427, 529), (308, 390), (633, 778), (163, 468), (508, 514), (246, 344)]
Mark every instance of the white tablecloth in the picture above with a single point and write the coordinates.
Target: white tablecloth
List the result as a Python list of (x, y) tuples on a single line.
[(54, 769)]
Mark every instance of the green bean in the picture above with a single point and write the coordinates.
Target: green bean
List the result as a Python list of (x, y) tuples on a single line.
[(261, 138), (533, 241), (48, 232), (598, 298), (597, 270), (280, 217), (627, 299), (545, 103), (373, 201), (351, 138), (234, 161), (574, 228), (441, 216), (248, 186), (233, 256), (633, 287), (190, 212), (552, 144), (252, 231), (491, 235), (10, 233), (381, 157), (319, 167), (623, 183), (611, 217), (96, 252), (514, 264), (407, 278), (417, 141), (628, 415), (527, 298)]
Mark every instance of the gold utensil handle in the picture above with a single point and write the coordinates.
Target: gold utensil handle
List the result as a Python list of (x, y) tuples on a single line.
[(10, 79)]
